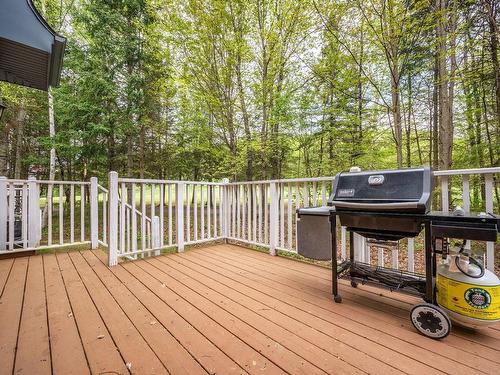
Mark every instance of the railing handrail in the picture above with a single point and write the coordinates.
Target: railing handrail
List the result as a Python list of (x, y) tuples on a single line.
[(285, 180), (453, 172), (448, 172), (47, 182), (165, 182)]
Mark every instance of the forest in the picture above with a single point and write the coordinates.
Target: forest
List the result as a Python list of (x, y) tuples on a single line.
[(260, 89)]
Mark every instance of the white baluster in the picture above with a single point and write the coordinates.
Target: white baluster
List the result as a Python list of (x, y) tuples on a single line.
[(113, 219), (180, 217), (490, 246), (94, 212), (3, 214)]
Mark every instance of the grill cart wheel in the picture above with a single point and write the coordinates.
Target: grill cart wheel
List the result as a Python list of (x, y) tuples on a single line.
[(354, 284), (430, 320), (337, 298)]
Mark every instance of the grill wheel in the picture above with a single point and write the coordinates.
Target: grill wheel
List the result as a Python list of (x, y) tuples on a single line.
[(430, 320)]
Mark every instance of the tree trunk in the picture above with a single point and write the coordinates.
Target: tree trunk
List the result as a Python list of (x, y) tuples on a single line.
[(393, 62), (130, 156), (445, 88), (142, 151), (237, 27), (478, 121), (4, 151), (359, 97), (246, 123), (52, 161), (408, 123), (52, 134), (396, 113), (435, 118), (469, 116), (21, 116), (493, 29)]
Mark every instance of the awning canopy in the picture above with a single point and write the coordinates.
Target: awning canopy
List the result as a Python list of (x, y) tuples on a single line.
[(31, 53)]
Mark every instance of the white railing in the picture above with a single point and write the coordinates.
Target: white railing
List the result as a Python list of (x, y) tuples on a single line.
[(262, 213), (456, 189), (49, 214), (148, 215), (20, 214), (99, 216), (137, 217)]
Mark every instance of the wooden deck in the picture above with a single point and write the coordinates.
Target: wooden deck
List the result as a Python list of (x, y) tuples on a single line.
[(221, 309)]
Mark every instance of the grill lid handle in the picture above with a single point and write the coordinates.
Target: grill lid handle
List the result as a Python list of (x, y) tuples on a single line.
[(378, 206)]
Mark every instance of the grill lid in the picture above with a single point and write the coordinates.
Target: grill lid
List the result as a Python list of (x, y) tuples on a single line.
[(404, 190)]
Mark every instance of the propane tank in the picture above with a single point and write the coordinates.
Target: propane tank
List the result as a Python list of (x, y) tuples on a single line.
[(468, 292)]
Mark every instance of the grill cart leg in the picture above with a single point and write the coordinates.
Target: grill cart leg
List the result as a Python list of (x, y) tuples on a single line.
[(351, 247), (335, 291), (429, 265)]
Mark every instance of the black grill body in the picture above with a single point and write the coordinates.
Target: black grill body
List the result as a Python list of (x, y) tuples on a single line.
[(402, 191), (385, 205)]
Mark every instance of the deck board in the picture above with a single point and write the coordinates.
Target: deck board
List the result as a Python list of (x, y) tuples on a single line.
[(174, 356), (220, 309), (11, 305), (33, 352), (240, 352), (207, 353), (5, 268), (68, 356), (134, 348), (399, 328), (366, 334), (102, 354), (282, 347), (330, 354), (321, 286)]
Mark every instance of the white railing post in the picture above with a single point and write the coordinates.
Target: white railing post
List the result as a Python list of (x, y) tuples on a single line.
[(411, 254), (273, 218), (33, 213), (490, 246), (94, 213), (359, 247), (225, 208), (155, 233), (444, 194), (113, 219), (466, 199), (3, 213), (343, 247), (180, 217)]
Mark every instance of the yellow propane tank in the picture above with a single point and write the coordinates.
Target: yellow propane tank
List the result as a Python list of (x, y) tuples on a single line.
[(470, 298)]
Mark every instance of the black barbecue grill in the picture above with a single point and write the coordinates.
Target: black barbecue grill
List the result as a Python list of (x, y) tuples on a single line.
[(386, 206)]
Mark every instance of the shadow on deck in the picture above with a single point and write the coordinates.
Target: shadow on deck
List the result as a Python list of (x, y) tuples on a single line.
[(218, 309)]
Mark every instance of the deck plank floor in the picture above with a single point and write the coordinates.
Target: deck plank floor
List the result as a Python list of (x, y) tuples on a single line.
[(220, 309)]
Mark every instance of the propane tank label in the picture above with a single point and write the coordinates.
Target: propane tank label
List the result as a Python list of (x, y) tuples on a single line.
[(475, 301)]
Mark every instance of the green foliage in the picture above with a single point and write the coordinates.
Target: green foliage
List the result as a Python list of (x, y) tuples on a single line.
[(207, 89)]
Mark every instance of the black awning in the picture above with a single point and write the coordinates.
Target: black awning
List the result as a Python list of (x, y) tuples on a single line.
[(31, 53)]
